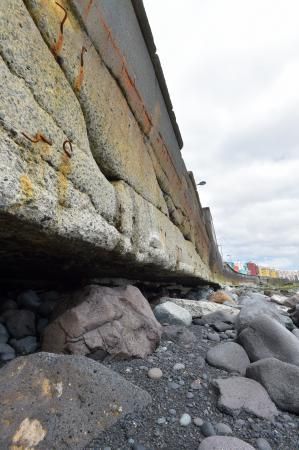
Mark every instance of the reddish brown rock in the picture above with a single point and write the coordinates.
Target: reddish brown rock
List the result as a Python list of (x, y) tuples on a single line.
[(117, 320), (220, 297)]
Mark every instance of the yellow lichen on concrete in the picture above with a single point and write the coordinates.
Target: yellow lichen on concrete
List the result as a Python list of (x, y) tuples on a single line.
[(29, 434), (50, 389), (62, 181), (27, 188)]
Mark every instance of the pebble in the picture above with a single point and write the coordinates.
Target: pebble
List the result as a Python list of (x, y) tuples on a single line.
[(223, 429), (185, 420), (173, 385), (179, 366), (198, 421), (196, 384), (263, 444), (207, 429), (161, 421), (189, 395), (137, 446), (213, 337), (172, 412), (155, 373)]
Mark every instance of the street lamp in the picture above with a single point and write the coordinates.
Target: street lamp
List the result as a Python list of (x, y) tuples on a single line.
[(201, 183)]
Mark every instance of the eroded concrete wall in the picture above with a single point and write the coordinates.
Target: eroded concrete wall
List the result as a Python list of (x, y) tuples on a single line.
[(91, 174)]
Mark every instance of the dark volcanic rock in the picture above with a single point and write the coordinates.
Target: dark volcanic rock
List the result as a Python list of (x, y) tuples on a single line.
[(62, 400), (229, 356), (117, 320), (29, 300), (25, 345), (266, 338), (4, 336), (281, 380), (20, 323), (6, 352)]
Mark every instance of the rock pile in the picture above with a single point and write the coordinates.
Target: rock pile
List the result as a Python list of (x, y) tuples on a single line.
[(23, 318)]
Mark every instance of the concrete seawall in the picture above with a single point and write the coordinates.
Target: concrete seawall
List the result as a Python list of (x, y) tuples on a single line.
[(92, 179)]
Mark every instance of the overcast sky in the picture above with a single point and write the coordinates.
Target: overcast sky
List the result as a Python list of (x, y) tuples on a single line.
[(232, 69)]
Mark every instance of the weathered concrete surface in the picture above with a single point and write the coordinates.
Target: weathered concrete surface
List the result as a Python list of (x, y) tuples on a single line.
[(58, 401), (119, 198)]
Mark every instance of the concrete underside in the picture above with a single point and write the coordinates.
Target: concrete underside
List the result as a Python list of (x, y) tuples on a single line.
[(103, 190)]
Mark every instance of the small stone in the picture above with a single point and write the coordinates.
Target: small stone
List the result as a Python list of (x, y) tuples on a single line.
[(198, 421), (263, 444), (25, 346), (20, 323), (161, 421), (137, 446), (8, 305), (131, 441), (196, 384), (185, 420), (172, 412), (213, 337), (179, 366), (223, 429), (4, 336), (6, 352), (155, 373), (29, 300), (207, 429), (189, 395), (173, 385)]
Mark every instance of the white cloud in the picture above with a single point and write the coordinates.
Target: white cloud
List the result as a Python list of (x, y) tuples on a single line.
[(232, 68)]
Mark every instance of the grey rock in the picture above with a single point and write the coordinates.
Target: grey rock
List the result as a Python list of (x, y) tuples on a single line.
[(222, 326), (223, 429), (181, 335), (265, 338), (86, 396), (25, 345), (224, 443), (296, 332), (229, 356), (171, 313), (4, 336), (202, 308), (254, 308), (6, 352), (213, 337), (262, 444), (198, 421), (241, 394), (220, 316), (20, 323), (185, 420), (280, 379), (207, 429), (29, 300)]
